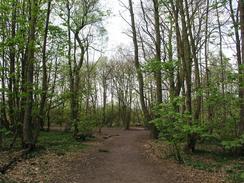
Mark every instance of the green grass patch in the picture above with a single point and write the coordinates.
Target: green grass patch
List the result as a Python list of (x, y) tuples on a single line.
[(59, 142), (236, 172), (210, 167), (215, 161), (53, 141)]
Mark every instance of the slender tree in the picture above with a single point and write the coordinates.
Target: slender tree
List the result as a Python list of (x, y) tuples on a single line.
[(137, 64), (241, 70)]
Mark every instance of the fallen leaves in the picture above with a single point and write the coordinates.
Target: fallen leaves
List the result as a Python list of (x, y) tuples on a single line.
[(42, 168), (160, 152)]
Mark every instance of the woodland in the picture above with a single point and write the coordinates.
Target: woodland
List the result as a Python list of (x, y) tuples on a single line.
[(181, 78)]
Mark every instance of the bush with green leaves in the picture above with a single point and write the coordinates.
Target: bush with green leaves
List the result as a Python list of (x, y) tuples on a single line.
[(234, 145), (87, 124), (174, 127), (170, 125)]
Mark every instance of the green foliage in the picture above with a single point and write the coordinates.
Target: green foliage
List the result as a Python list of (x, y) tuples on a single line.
[(233, 145), (5, 132), (59, 116), (200, 165), (7, 137), (212, 161), (59, 142), (155, 65), (209, 138), (87, 124), (236, 173), (172, 125)]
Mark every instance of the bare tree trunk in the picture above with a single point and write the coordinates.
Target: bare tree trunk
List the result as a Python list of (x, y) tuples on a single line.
[(241, 71), (112, 103), (28, 140), (3, 112), (137, 65), (209, 115), (221, 62), (12, 81), (196, 64), (180, 54), (104, 83), (52, 92), (187, 65), (71, 74), (41, 115), (157, 74)]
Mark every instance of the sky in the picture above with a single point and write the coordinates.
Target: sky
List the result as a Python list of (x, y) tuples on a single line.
[(116, 26)]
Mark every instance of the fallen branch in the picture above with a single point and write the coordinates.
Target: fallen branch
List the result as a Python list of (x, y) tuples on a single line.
[(84, 136), (17, 158), (109, 136)]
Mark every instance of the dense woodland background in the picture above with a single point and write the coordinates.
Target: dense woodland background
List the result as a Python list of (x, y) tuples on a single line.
[(183, 77)]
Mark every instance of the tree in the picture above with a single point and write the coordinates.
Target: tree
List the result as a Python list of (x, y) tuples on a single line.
[(82, 20), (157, 73), (44, 69), (137, 65), (241, 70), (28, 136)]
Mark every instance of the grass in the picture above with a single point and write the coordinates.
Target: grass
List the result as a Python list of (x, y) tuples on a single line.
[(212, 161), (53, 141), (59, 142), (56, 142)]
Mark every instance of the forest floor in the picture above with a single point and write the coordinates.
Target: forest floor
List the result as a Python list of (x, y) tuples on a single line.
[(125, 157), (117, 156)]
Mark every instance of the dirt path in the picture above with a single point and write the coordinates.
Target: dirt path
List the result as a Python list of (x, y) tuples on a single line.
[(121, 159)]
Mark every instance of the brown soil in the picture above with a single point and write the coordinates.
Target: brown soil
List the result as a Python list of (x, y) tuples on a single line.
[(122, 158)]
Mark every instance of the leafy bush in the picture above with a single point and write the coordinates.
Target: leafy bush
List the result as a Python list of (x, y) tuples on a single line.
[(172, 125), (233, 145), (87, 124), (59, 116)]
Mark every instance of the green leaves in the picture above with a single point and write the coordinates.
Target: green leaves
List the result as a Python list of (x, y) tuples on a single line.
[(5, 131), (171, 123), (153, 65), (193, 129), (157, 65), (233, 144)]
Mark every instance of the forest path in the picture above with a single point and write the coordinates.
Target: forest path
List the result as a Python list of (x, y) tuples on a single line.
[(119, 159)]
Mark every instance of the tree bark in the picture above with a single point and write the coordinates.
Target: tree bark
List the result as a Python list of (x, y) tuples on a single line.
[(41, 116), (157, 74), (241, 71), (187, 67), (12, 81), (137, 65), (27, 124)]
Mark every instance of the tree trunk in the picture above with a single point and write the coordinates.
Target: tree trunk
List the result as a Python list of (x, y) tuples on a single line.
[(209, 114), (137, 65), (12, 81), (187, 67), (157, 74), (241, 71), (196, 64), (41, 115), (27, 124), (221, 63)]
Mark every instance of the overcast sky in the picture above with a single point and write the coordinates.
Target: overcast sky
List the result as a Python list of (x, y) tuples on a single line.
[(116, 26)]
